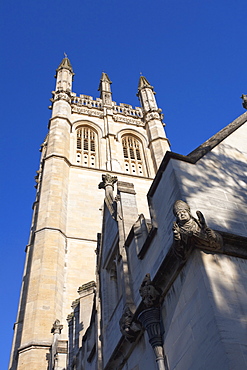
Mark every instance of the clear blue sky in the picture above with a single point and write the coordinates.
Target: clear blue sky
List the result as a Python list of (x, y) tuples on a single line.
[(192, 51)]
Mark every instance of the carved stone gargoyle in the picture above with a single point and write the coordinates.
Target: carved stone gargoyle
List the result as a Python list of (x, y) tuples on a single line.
[(189, 232), (129, 328), (56, 327), (150, 295), (244, 101)]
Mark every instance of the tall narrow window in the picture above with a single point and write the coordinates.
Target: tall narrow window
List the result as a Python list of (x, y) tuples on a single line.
[(86, 145), (133, 156)]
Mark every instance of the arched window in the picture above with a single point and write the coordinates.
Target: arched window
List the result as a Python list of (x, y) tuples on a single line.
[(86, 147), (133, 156)]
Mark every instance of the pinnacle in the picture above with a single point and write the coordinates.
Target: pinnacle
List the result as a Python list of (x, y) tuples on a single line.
[(105, 83), (143, 82), (65, 63), (105, 78)]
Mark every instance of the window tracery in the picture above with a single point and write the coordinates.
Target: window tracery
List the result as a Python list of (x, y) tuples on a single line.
[(133, 156), (86, 147)]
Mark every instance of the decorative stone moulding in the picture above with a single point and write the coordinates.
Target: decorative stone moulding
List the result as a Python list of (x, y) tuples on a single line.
[(87, 111), (152, 115), (75, 303), (127, 110), (91, 285), (70, 317), (150, 320), (130, 121), (61, 95)]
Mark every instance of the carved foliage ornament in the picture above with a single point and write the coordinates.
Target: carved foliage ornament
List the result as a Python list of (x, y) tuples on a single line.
[(189, 231)]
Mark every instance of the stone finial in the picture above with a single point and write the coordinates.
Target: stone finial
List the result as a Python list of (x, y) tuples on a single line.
[(128, 327), (150, 295), (143, 82), (189, 231), (244, 103), (65, 64), (105, 90), (107, 180), (56, 327), (107, 183)]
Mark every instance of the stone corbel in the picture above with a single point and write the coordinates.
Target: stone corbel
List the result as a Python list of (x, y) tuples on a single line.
[(150, 318), (190, 232)]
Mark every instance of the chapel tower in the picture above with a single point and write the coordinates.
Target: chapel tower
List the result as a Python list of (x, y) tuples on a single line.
[(86, 138)]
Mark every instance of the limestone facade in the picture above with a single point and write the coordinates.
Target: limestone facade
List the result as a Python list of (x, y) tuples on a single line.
[(87, 137), (119, 273), (165, 300)]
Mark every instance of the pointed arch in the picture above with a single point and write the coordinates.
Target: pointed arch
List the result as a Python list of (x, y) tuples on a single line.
[(133, 155), (87, 146)]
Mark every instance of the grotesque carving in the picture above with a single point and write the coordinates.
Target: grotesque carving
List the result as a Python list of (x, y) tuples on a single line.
[(189, 231), (128, 327), (56, 327), (107, 180), (107, 183), (244, 103), (150, 295)]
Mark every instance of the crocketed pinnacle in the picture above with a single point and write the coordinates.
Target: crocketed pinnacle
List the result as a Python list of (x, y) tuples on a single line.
[(143, 82)]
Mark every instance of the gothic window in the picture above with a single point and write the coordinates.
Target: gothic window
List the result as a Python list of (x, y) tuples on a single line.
[(86, 147), (133, 156)]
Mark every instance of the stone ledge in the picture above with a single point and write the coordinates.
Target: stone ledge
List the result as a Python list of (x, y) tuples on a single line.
[(33, 344)]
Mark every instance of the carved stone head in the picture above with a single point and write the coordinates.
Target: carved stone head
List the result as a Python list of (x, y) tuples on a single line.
[(182, 211), (128, 327)]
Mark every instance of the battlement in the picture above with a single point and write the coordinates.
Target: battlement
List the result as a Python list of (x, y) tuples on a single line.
[(89, 102), (86, 100)]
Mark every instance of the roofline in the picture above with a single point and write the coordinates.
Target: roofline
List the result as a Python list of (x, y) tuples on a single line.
[(199, 152)]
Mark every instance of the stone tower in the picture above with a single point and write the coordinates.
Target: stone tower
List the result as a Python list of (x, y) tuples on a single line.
[(86, 139)]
